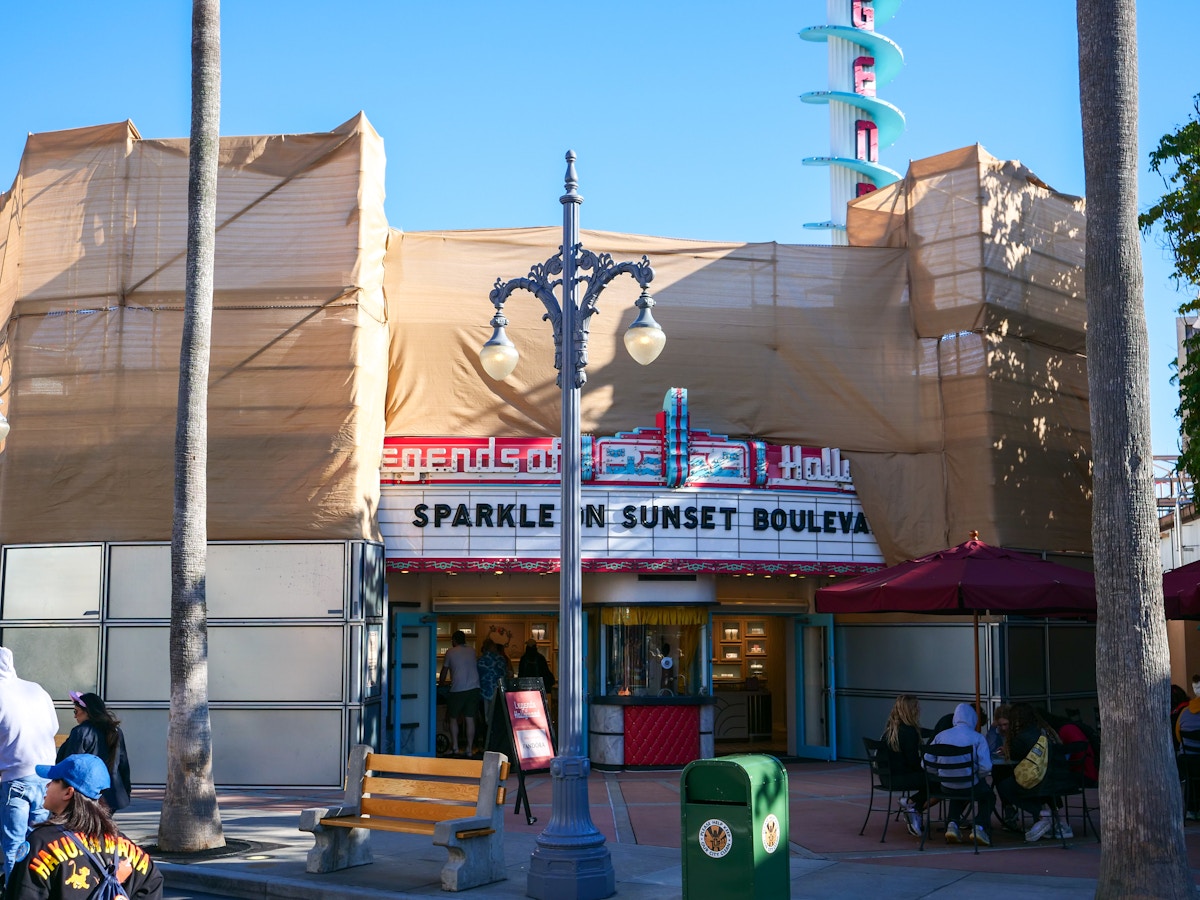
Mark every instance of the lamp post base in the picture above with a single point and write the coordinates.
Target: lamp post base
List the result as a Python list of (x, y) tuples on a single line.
[(570, 861), (571, 874)]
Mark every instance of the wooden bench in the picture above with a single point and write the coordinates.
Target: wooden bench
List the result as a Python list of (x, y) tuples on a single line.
[(460, 802)]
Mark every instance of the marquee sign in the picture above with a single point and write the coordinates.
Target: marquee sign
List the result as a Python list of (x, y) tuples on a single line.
[(663, 499)]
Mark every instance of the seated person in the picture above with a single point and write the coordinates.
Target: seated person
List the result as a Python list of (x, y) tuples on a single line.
[(997, 735), (963, 733), (1188, 721), (902, 743), (1025, 727), (1179, 699)]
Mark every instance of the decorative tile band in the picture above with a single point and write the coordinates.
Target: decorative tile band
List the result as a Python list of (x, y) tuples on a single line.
[(545, 566)]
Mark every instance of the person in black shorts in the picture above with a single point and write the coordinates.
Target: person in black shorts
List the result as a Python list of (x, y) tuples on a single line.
[(462, 702)]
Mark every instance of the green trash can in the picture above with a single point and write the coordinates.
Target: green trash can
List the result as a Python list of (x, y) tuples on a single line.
[(735, 828)]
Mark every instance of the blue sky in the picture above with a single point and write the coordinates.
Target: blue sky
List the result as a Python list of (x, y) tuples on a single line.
[(686, 116)]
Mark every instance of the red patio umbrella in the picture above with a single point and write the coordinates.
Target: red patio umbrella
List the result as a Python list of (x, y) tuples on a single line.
[(971, 577), (1181, 592)]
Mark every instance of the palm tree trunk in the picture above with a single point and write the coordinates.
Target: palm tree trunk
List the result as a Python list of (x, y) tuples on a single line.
[(190, 818), (1143, 851)]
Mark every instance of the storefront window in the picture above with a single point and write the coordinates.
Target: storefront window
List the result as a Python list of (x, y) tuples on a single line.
[(654, 650)]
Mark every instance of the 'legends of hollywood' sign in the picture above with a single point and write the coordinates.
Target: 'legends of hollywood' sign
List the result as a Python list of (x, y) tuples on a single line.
[(668, 455)]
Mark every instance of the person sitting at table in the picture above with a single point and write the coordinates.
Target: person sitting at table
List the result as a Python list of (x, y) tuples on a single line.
[(1188, 721), (997, 735), (1025, 727), (902, 742), (964, 733), (1179, 699)]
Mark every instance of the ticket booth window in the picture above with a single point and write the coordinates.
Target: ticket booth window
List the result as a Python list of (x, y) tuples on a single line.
[(653, 650)]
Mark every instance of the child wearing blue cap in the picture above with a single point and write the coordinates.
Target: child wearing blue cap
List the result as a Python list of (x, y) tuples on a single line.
[(61, 862)]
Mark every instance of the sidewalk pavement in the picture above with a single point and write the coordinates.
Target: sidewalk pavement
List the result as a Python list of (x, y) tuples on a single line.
[(639, 815)]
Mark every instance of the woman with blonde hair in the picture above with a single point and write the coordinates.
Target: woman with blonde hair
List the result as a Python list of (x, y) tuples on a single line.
[(902, 740)]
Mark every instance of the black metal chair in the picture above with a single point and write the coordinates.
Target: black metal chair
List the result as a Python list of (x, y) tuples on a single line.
[(882, 779), (1077, 783), (1188, 762), (947, 767)]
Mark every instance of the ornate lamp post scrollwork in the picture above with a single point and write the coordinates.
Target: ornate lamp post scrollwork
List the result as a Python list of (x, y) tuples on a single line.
[(570, 859)]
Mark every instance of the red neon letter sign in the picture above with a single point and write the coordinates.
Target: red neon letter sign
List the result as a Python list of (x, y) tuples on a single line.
[(862, 15), (864, 76), (866, 141)]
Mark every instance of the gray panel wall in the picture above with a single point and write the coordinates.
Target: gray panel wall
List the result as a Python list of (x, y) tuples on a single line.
[(1046, 662), (296, 643)]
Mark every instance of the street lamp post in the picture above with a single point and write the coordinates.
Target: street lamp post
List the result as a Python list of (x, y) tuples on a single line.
[(571, 861)]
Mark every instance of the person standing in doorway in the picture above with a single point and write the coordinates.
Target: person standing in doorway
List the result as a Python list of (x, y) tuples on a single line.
[(460, 666), (98, 732), (534, 665), (28, 724)]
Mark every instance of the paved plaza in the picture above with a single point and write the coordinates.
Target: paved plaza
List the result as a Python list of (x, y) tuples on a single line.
[(639, 814)]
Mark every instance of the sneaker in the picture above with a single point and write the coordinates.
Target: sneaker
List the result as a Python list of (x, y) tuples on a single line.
[(953, 835), (1039, 829), (914, 822), (1063, 831), (981, 837)]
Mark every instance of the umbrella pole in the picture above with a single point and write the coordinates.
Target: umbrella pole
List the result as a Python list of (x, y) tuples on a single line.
[(976, 642)]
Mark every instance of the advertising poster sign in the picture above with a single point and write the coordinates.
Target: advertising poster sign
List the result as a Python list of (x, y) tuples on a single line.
[(530, 729)]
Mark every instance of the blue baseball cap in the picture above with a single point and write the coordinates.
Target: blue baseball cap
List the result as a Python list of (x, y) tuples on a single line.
[(82, 771)]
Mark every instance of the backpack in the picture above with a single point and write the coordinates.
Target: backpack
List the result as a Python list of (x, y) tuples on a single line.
[(110, 887), (1032, 769)]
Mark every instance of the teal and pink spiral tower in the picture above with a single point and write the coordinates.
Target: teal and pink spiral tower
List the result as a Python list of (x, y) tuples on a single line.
[(860, 60)]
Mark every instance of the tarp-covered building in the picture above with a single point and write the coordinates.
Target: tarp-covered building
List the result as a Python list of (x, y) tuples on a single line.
[(942, 353)]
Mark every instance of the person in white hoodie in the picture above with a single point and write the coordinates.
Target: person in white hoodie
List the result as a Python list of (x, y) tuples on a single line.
[(963, 733), (28, 724)]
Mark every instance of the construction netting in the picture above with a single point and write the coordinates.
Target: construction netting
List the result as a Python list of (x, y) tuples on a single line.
[(92, 256), (942, 351), (946, 360)]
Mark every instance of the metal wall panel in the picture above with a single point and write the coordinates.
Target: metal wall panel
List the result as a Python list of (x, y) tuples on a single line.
[(61, 658), (138, 665), (146, 741), (139, 581), (909, 658), (1073, 659), (276, 664), (52, 582), (248, 581), (1026, 660), (281, 747)]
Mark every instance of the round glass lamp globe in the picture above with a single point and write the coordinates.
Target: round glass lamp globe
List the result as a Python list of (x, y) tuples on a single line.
[(498, 359), (645, 340)]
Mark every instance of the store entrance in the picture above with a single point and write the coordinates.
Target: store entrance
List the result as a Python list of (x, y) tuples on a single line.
[(750, 684), (510, 632)]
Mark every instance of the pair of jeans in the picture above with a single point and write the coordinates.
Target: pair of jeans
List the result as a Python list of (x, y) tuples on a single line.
[(22, 809)]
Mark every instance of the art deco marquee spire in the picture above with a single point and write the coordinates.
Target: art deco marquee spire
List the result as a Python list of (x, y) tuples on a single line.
[(860, 60)]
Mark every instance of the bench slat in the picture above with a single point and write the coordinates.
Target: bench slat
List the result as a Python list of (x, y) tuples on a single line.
[(412, 787), (381, 764), (402, 827), (415, 810)]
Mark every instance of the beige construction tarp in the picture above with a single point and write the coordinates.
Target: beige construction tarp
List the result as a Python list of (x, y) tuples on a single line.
[(945, 360), (942, 351), (92, 253)]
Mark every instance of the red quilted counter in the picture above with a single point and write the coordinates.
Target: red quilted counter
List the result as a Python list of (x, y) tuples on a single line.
[(662, 735)]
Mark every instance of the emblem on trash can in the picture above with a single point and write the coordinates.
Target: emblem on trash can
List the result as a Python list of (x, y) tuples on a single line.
[(770, 833), (715, 838)]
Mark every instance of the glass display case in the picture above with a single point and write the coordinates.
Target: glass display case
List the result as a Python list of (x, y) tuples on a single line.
[(654, 650)]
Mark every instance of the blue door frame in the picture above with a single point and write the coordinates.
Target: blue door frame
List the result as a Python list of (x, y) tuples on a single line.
[(414, 697), (816, 722)]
